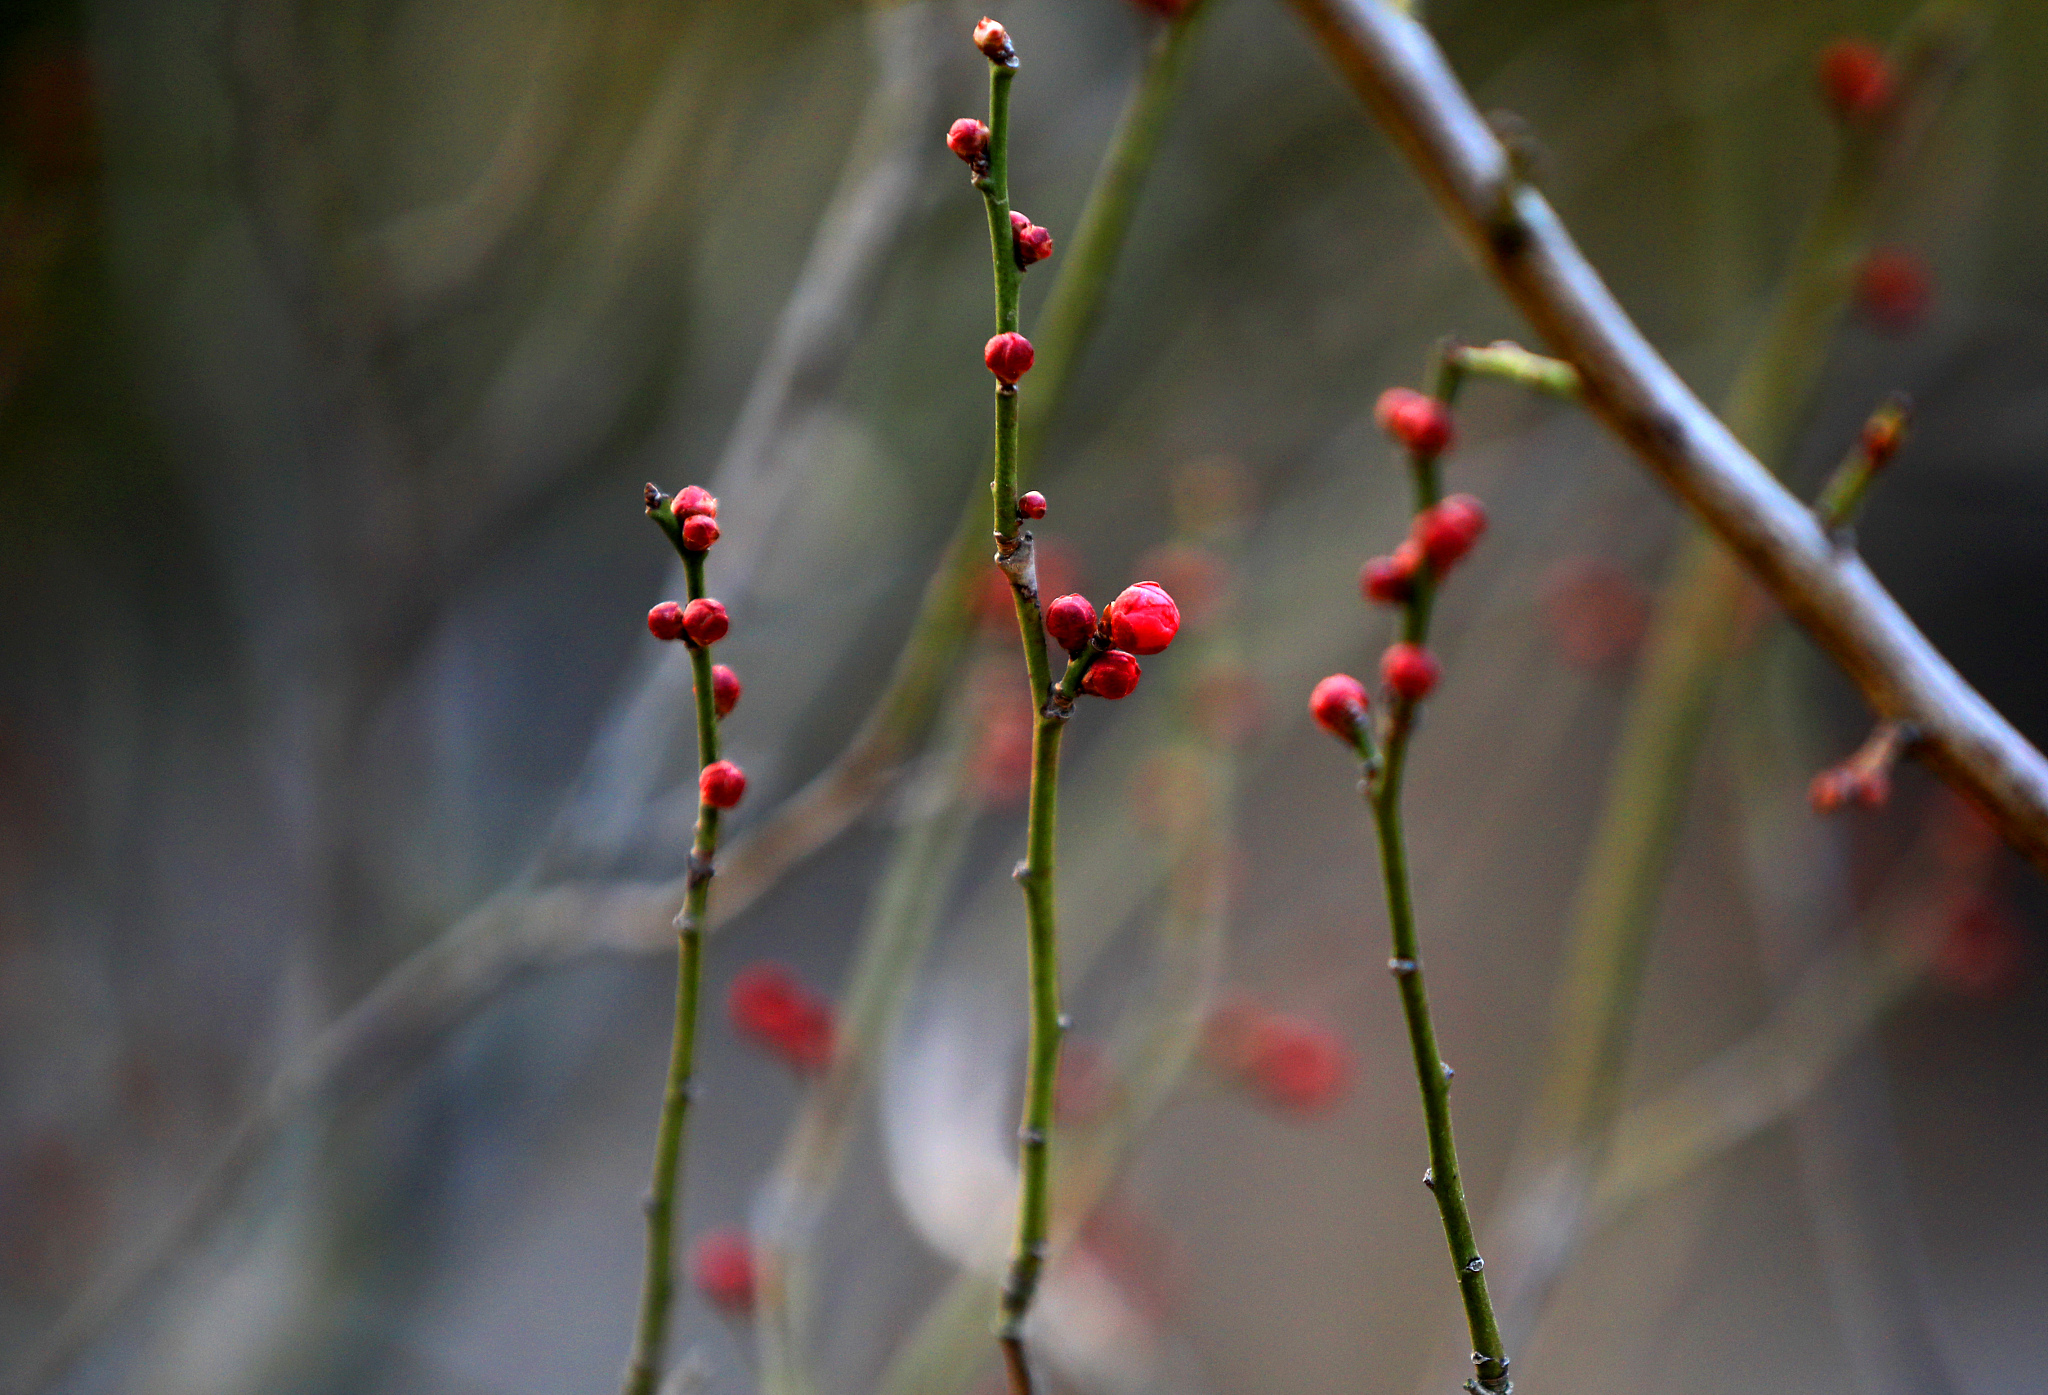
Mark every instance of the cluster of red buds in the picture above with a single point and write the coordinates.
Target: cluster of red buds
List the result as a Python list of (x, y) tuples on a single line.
[(1287, 1061), (1143, 619), (722, 1267), (1865, 778), (772, 1008), (1030, 243), (1856, 80), (1438, 539), (700, 624)]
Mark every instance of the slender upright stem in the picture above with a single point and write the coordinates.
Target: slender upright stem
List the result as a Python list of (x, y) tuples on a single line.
[(657, 1288), (1384, 770)]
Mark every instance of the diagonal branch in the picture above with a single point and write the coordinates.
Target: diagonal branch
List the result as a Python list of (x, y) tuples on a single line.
[(1403, 78)]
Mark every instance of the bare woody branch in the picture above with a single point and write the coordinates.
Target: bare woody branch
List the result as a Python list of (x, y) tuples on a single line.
[(1398, 71)]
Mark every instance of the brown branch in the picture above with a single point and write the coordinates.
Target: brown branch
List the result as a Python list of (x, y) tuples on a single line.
[(1404, 80)]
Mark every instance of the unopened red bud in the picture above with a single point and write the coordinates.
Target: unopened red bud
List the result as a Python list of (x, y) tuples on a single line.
[(1070, 620), (1827, 792), (968, 139), (1893, 288), (1008, 356), (693, 499), (700, 530), (1299, 1065), (721, 784), (1113, 675), (725, 690), (1855, 79), (1032, 243), (771, 1007), (1409, 670), (1447, 530), (1031, 505), (1143, 618), (994, 42), (705, 621), (665, 621), (1391, 580), (1419, 422), (1339, 704), (722, 1267)]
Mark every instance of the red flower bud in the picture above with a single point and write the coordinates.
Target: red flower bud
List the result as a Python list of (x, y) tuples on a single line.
[(699, 532), (722, 1267), (1008, 356), (666, 621), (1893, 288), (1031, 242), (1418, 422), (1410, 670), (705, 621), (1031, 505), (1856, 79), (1113, 675), (1447, 530), (1339, 704), (1391, 580), (994, 42), (775, 1011), (721, 784), (725, 690), (968, 139), (1143, 619), (693, 499), (1297, 1064), (1070, 620)]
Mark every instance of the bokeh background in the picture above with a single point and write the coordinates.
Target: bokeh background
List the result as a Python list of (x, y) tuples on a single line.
[(336, 342)]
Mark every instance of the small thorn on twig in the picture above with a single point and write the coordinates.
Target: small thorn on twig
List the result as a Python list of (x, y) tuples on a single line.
[(1020, 871), (1429, 1178), (1865, 778), (1449, 1074)]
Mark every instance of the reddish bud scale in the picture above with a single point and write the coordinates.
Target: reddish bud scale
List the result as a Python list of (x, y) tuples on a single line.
[(721, 784), (1419, 422), (1113, 675), (692, 500), (1339, 704), (1031, 505), (1409, 670), (1143, 618), (705, 621), (1856, 79), (1070, 620), (994, 42), (1447, 530), (725, 690), (699, 532), (722, 1267), (770, 1007), (666, 621), (1008, 356)]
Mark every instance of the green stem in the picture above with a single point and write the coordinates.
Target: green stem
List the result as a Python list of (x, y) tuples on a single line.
[(650, 1337), (1383, 782)]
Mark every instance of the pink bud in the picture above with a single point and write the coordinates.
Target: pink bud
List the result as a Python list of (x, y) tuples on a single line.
[(1893, 288), (1339, 705), (968, 139), (1410, 670), (700, 530), (1070, 620), (1391, 580), (725, 690), (1418, 422), (1008, 356), (1031, 505), (1113, 675), (1144, 619), (994, 42), (666, 621), (693, 499), (722, 1267), (705, 621), (1856, 79), (1446, 531), (721, 784), (772, 1008)]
